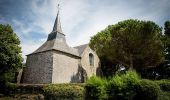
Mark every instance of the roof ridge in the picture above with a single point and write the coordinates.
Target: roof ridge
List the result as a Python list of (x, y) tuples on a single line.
[(81, 48), (81, 45)]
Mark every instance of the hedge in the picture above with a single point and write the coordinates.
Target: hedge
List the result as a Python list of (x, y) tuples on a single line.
[(12, 88), (164, 85), (95, 87), (128, 86), (122, 87), (55, 91), (148, 90)]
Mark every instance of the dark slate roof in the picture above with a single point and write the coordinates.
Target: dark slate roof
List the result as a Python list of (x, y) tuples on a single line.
[(81, 48), (57, 25), (58, 45)]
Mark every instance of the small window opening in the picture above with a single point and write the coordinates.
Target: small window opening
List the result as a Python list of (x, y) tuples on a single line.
[(91, 59)]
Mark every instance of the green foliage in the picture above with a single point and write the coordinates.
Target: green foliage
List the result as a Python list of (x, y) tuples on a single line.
[(164, 96), (122, 87), (148, 90), (11, 89), (54, 91), (167, 28), (8, 76), (10, 53), (119, 87), (95, 88), (167, 39), (12, 86), (127, 86), (162, 71), (131, 43), (164, 85)]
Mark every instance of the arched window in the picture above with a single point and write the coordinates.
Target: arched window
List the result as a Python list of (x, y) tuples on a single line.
[(91, 59)]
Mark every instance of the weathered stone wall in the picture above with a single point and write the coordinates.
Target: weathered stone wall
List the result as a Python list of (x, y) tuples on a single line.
[(90, 70), (38, 68), (59, 67), (65, 68)]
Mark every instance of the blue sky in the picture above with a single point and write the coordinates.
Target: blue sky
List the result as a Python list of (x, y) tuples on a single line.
[(33, 20)]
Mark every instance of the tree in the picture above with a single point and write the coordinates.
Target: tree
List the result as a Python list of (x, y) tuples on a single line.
[(132, 43), (162, 71), (167, 35), (165, 68), (10, 53)]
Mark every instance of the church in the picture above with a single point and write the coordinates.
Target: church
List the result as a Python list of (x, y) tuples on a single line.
[(56, 62)]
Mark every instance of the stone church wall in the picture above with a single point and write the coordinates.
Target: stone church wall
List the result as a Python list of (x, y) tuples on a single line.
[(90, 70), (39, 68), (65, 68)]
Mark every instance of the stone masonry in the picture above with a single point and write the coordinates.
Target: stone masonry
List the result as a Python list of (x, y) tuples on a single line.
[(39, 68)]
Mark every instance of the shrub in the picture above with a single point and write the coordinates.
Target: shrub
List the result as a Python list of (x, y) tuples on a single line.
[(31, 88), (164, 96), (131, 79), (164, 85), (55, 91), (8, 88), (123, 86), (13, 88), (95, 88), (148, 90)]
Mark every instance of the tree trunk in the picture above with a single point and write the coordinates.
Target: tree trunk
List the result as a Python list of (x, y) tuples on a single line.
[(19, 76), (131, 62)]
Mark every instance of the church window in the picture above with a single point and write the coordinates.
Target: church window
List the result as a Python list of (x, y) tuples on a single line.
[(91, 59)]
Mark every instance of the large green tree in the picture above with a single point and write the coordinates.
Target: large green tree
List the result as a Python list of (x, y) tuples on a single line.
[(165, 70), (10, 53), (161, 71), (167, 36), (131, 43)]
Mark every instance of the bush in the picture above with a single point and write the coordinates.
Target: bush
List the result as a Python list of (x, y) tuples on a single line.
[(148, 90), (122, 87), (95, 88), (164, 85), (131, 79), (8, 88), (164, 96), (13, 88), (55, 91), (30, 89)]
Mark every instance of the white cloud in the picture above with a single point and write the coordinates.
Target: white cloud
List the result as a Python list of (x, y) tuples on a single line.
[(81, 19), (21, 28), (45, 13)]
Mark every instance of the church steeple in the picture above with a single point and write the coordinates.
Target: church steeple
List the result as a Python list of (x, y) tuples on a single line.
[(57, 32), (57, 24)]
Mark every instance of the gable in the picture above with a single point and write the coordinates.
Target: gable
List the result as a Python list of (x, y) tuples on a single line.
[(81, 48)]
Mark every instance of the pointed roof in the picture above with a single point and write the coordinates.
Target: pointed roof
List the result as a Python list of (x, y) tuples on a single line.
[(57, 24), (57, 30), (81, 48)]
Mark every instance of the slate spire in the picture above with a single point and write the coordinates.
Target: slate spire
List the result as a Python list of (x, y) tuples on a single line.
[(57, 32), (57, 24)]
